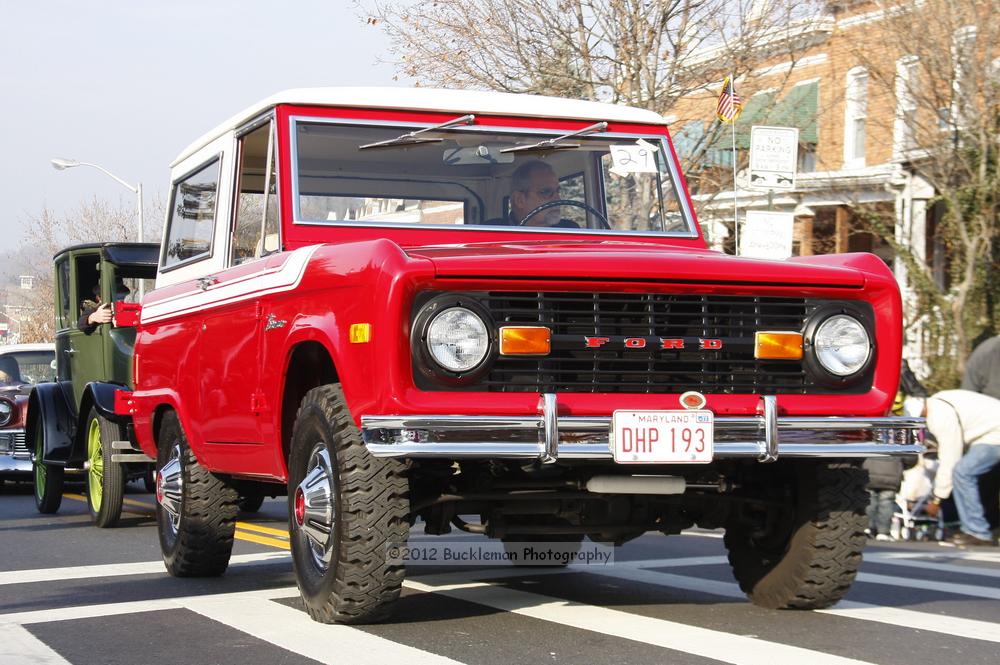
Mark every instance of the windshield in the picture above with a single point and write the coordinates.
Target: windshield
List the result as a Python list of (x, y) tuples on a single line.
[(23, 367), (461, 177)]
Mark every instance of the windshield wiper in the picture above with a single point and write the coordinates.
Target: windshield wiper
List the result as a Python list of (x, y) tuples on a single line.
[(414, 138), (553, 144)]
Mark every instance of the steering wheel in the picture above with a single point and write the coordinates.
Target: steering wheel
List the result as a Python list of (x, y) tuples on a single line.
[(567, 202)]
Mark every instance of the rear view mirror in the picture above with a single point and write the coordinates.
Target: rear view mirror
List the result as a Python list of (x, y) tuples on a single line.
[(481, 154), (126, 314)]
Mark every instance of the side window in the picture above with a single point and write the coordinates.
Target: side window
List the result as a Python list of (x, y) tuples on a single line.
[(63, 307), (88, 285), (255, 233), (192, 216)]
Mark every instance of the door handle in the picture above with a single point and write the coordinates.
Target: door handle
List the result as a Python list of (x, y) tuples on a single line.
[(70, 351), (205, 282)]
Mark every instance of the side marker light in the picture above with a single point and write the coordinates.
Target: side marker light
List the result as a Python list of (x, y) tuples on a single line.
[(361, 333)]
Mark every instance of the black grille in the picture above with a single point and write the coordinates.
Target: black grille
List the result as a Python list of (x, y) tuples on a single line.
[(571, 367)]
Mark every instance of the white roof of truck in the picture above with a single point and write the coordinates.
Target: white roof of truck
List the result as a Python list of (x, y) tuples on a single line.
[(436, 99)]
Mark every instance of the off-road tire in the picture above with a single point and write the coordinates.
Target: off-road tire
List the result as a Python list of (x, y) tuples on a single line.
[(370, 510), (202, 542), (108, 509), (814, 563), (48, 478)]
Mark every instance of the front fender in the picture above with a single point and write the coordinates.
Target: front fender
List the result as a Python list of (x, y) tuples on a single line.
[(53, 417)]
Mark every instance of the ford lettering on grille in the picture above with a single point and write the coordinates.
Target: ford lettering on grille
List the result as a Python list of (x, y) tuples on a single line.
[(649, 343)]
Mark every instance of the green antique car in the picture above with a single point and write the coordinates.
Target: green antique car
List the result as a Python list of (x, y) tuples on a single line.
[(71, 423)]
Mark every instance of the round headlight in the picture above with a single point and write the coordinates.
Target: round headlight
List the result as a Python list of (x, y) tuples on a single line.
[(6, 411), (457, 339), (842, 345)]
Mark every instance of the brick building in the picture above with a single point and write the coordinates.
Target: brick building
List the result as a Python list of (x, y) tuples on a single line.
[(849, 86)]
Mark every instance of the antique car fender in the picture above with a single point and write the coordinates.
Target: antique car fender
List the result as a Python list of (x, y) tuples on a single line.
[(50, 411), (101, 396)]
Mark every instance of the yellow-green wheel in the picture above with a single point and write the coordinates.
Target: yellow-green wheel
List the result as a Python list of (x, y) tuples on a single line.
[(105, 479), (48, 477)]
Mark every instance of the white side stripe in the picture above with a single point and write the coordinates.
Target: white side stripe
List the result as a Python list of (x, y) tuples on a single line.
[(19, 647), (285, 278), (725, 647)]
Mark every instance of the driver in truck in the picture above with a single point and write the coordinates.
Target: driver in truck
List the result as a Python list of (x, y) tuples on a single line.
[(533, 184)]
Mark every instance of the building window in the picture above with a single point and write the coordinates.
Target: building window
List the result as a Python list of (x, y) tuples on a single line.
[(27, 282), (855, 118), (905, 125)]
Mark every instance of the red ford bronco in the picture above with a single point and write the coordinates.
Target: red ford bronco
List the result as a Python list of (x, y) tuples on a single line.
[(429, 304)]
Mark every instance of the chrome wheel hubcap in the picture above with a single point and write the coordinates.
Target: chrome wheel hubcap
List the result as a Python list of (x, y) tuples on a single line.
[(169, 485), (314, 507)]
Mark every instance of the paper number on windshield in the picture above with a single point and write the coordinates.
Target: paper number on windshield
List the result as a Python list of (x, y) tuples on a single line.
[(633, 158)]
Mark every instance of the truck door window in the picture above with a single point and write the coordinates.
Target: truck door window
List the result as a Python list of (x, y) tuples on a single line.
[(192, 216), (255, 231)]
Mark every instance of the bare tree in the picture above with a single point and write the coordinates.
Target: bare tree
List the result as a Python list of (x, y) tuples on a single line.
[(939, 61), (646, 53), (45, 234)]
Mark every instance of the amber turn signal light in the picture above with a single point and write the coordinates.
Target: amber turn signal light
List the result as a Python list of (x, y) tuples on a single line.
[(525, 341), (361, 333), (777, 346)]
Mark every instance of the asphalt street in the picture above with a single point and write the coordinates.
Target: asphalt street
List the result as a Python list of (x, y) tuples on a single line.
[(71, 593)]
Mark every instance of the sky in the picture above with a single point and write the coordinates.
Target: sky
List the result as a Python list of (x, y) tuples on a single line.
[(128, 84)]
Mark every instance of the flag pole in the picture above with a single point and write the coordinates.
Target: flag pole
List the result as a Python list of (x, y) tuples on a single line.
[(736, 213)]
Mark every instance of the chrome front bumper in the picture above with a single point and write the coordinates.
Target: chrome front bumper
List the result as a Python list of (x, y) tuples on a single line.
[(548, 438)]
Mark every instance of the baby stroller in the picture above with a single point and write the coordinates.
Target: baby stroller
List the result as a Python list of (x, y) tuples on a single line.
[(910, 520)]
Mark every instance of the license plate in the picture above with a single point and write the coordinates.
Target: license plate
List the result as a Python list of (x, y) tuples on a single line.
[(662, 437)]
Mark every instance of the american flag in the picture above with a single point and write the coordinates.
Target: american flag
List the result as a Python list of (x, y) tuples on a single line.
[(730, 105)]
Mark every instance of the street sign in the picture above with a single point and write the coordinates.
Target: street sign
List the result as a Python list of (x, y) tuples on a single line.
[(767, 235), (774, 156)]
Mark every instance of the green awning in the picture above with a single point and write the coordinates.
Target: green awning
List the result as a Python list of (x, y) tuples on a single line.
[(797, 109), (755, 112)]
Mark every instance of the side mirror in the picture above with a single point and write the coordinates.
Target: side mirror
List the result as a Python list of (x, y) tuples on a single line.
[(126, 314)]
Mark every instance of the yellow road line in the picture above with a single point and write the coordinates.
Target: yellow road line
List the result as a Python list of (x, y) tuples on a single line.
[(261, 540), (250, 526), (241, 527), (143, 504), (83, 499)]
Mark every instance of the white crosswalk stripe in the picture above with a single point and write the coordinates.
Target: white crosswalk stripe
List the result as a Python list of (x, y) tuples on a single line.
[(19, 647), (118, 569), (255, 613), (294, 631), (721, 646)]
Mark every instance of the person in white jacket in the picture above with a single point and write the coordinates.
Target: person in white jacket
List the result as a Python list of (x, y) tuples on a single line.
[(966, 425)]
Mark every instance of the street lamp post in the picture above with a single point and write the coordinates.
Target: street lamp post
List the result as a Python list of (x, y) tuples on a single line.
[(63, 164)]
